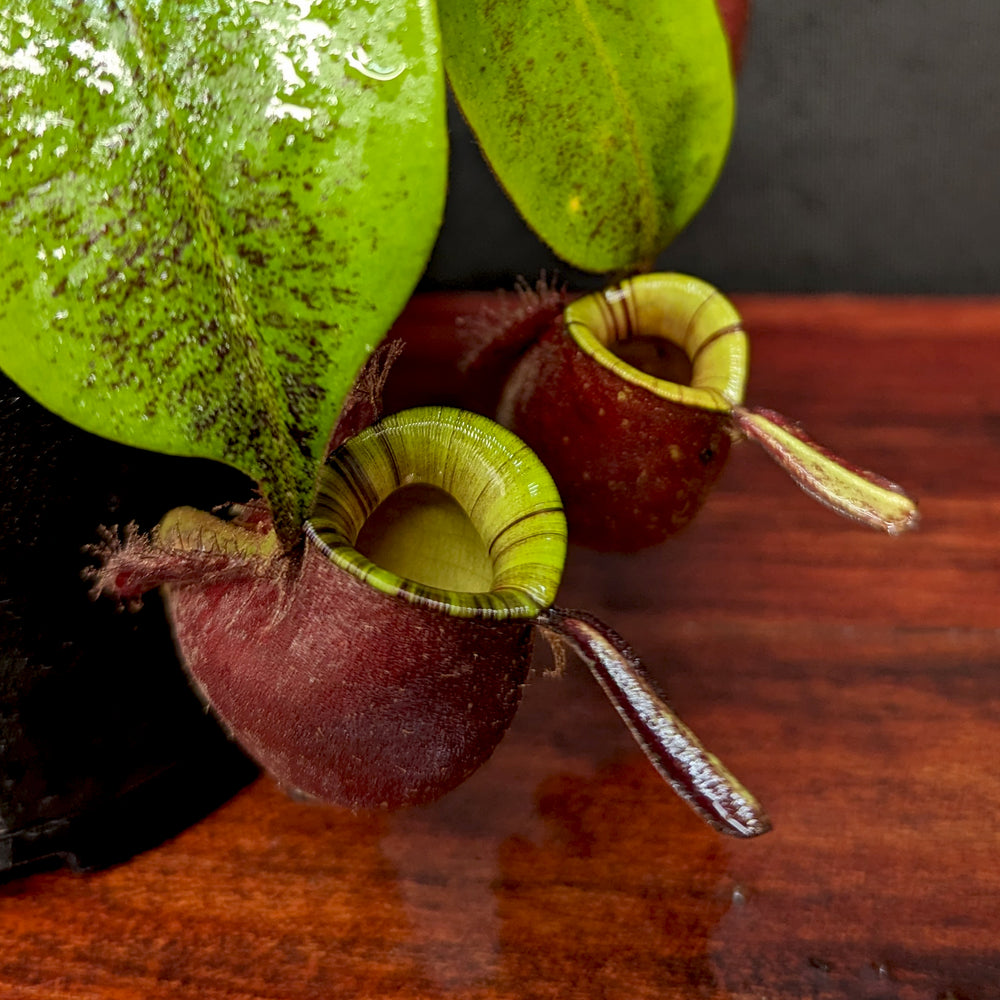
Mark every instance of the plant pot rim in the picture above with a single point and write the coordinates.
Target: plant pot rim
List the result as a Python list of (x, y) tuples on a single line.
[(494, 476), (685, 310)]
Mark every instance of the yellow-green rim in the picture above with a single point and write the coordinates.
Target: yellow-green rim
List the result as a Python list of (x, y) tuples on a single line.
[(689, 313), (500, 483)]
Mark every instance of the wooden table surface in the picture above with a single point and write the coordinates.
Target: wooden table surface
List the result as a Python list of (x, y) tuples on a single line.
[(851, 680)]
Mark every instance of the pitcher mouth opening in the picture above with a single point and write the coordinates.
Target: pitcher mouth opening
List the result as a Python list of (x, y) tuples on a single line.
[(445, 509), (683, 311)]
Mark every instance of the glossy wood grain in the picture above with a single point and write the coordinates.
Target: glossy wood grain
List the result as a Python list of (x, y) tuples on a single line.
[(852, 680)]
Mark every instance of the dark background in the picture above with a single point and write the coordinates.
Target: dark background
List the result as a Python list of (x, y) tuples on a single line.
[(866, 159)]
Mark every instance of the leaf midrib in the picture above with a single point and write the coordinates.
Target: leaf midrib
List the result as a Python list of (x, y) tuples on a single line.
[(648, 203), (247, 341), (283, 471)]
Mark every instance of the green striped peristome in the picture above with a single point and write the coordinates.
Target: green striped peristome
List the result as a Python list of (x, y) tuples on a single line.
[(686, 311), (468, 519)]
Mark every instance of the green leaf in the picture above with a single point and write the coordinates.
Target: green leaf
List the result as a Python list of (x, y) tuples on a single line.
[(211, 213), (607, 121)]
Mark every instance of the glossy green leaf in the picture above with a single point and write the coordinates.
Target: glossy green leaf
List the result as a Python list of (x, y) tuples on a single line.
[(606, 121), (211, 212)]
